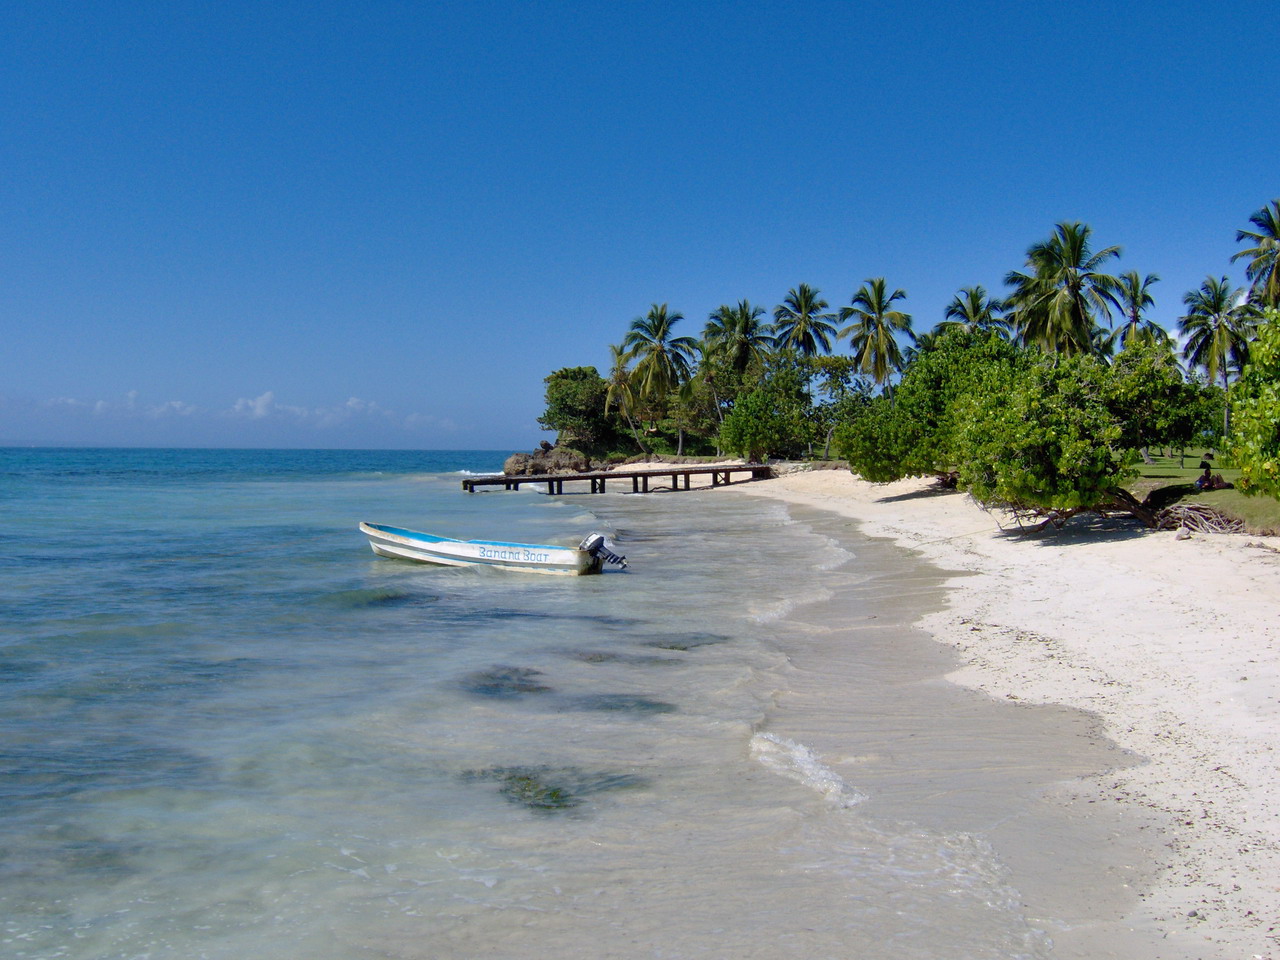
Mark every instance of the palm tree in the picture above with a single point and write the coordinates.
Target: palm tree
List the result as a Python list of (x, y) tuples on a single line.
[(1131, 296), (621, 392), (1102, 342), (737, 336), (920, 343), (662, 361), (971, 309), (801, 324), (874, 329), (1060, 299), (709, 376), (1217, 327), (1264, 256)]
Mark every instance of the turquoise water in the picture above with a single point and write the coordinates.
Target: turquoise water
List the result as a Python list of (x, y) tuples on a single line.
[(228, 730)]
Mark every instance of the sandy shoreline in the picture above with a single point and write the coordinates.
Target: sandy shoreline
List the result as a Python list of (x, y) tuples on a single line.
[(1175, 645)]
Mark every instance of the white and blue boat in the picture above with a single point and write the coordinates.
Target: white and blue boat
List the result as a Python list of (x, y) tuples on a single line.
[(588, 557)]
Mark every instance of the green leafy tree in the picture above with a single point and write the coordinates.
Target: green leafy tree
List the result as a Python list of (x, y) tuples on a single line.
[(802, 324), (756, 426), (1045, 435), (872, 441), (662, 360), (835, 375), (1255, 442), (576, 410), (1151, 400), (774, 418), (1217, 327), (842, 394), (917, 433), (1044, 441), (1213, 400), (1263, 268), (1063, 294), (789, 377), (874, 329)]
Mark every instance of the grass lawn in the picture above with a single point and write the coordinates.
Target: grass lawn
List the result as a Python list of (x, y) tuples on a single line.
[(1171, 483)]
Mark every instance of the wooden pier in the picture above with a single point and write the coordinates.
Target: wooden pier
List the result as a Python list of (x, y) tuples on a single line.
[(640, 479)]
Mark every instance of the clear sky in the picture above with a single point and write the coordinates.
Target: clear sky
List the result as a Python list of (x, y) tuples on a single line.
[(382, 224)]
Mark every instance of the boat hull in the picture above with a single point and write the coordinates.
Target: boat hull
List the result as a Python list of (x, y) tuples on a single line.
[(400, 544)]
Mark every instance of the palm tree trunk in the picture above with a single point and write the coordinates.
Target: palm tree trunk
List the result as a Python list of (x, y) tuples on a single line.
[(1226, 406), (636, 434)]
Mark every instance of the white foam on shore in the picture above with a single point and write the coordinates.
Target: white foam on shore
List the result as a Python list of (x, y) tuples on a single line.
[(797, 762), (832, 556)]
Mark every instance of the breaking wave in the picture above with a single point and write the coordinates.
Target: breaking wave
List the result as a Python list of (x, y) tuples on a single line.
[(797, 762)]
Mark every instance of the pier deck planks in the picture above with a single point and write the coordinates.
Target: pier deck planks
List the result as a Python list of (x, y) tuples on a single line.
[(640, 479)]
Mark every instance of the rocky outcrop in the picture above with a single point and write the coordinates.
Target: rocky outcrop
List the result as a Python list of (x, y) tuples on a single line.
[(546, 460)]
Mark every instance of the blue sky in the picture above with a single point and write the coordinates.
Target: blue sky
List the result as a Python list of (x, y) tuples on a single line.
[(382, 224)]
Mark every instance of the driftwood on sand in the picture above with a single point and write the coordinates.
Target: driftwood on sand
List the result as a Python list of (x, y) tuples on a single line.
[(1198, 518)]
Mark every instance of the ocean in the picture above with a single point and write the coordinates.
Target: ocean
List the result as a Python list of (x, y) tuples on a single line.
[(228, 730)]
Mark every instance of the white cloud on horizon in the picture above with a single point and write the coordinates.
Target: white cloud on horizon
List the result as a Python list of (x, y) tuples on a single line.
[(128, 406), (174, 408), (353, 414), (354, 409), (259, 408)]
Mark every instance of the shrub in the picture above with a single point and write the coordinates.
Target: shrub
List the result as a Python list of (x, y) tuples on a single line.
[(1042, 439), (1255, 413), (915, 432), (575, 410), (755, 427)]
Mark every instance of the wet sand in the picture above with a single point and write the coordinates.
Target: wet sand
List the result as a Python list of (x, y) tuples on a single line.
[(1160, 837)]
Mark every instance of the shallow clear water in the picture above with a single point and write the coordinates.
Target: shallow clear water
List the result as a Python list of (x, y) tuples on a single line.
[(228, 730)]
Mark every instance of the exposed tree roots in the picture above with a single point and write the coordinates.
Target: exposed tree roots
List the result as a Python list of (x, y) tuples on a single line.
[(1196, 517)]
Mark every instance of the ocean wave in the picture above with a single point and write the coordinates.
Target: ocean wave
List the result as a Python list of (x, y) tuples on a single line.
[(771, 611), (832, 556), (797, 762)]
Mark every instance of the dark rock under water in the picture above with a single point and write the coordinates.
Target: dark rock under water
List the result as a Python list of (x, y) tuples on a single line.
[(619, 703), (688, 641), (551, 789), (504, 682)]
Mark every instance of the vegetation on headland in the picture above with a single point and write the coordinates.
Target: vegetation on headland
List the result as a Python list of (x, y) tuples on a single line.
[(1045, 401)]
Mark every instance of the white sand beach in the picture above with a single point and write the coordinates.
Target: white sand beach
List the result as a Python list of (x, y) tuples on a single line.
[(1174, 644)]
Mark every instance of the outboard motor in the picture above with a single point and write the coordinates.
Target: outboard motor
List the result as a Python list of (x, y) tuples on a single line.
[(599, 546)]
